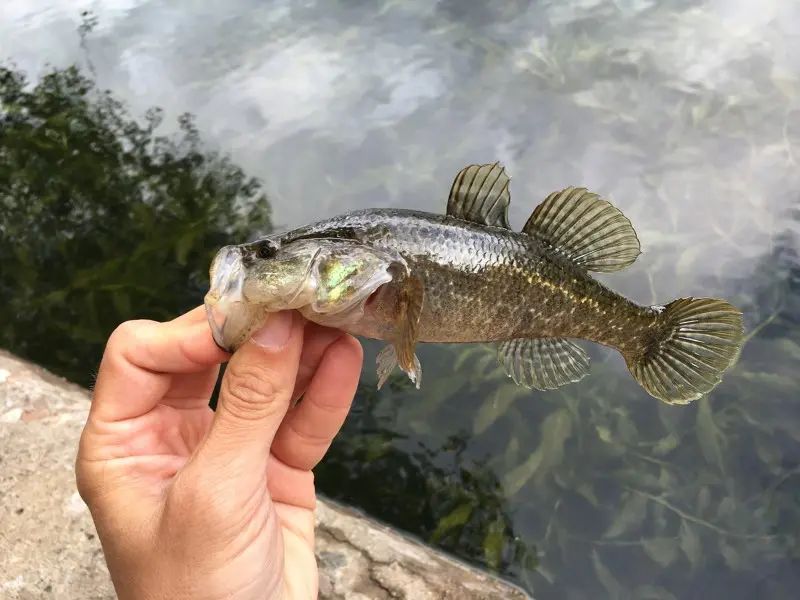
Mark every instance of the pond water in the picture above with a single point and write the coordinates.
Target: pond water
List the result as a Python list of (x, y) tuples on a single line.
[(685, 114)]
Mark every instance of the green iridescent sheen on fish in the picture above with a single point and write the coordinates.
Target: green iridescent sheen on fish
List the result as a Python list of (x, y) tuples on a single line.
[(409, 276)]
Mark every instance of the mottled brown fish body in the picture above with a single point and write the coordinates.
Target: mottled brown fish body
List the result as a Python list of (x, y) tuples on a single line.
[(487, 284), (409, 276)]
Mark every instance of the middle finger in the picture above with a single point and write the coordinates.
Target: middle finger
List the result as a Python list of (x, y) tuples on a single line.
[(316, 341), (307, 431)]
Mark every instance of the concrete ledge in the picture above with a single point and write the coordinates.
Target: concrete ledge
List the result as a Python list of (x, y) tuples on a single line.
[(49, 548)]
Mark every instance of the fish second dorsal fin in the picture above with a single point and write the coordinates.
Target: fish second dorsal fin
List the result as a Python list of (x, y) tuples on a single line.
[(587, 229), (480, 194)]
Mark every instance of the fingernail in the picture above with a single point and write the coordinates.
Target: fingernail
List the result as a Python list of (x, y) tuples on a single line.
[(275, 333)]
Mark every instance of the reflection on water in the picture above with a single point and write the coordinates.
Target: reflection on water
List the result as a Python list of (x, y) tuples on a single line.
[(685, 114)]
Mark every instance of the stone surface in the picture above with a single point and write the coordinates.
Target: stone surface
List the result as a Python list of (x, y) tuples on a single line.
[(49, 548)]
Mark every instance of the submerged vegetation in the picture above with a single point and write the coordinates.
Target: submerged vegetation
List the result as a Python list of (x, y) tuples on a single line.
[(612, 495), (606, 500), (591, 491)]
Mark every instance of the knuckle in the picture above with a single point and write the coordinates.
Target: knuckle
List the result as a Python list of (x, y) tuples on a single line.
[(253, 391), (128, 329), (309, 437), (91, 481), (87, 489), (102, 490), (128, 333)]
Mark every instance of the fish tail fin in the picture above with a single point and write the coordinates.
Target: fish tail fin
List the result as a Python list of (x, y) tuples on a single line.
[(698, 340)]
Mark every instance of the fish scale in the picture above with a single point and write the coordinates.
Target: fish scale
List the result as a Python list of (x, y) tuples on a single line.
[(408, 277), (541, 288)]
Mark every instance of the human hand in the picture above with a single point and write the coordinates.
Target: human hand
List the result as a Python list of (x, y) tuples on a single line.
[(189, 503)]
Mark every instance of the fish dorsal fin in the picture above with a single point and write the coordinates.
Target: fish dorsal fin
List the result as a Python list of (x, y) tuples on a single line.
[(587, 229), (480, 194)]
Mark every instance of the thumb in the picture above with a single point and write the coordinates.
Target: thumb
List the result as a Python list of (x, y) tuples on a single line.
[(254, 396)]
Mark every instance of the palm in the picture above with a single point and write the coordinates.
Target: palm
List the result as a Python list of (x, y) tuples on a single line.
[(180, 422), (173, 432), (163, 438)]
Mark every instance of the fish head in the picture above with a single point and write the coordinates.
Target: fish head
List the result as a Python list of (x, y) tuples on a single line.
[(326, 280)]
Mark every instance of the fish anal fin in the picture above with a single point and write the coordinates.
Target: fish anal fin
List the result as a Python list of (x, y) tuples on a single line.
[(543, 363), (480, 194), (590, 231)]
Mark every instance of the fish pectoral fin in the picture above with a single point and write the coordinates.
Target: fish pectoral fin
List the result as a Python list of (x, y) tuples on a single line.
[(410, 301), (587, 229), (387, 361), (480, 194), (543, 363)]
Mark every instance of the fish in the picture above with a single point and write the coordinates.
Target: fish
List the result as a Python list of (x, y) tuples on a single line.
[(407, 276)]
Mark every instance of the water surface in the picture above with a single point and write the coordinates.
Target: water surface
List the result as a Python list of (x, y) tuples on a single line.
[(685, 114)]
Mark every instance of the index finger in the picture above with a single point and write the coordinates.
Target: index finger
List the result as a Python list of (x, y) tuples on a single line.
[(141, 357)]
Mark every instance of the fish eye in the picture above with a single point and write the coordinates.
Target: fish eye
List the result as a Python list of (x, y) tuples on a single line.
[(266, 250)]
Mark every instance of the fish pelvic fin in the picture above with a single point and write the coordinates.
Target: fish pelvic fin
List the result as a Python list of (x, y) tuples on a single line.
[(699, 340), (480, 194), (387, 361), (590, 231), (543, 363)]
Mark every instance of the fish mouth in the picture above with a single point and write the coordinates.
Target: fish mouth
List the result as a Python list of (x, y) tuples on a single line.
[(216, 321), (233, 313), (225, 294)]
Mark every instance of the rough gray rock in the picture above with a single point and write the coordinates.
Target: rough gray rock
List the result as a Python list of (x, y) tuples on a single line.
[(49, 548)]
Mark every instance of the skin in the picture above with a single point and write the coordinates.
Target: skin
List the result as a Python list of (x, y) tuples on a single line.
[(189, 503)]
